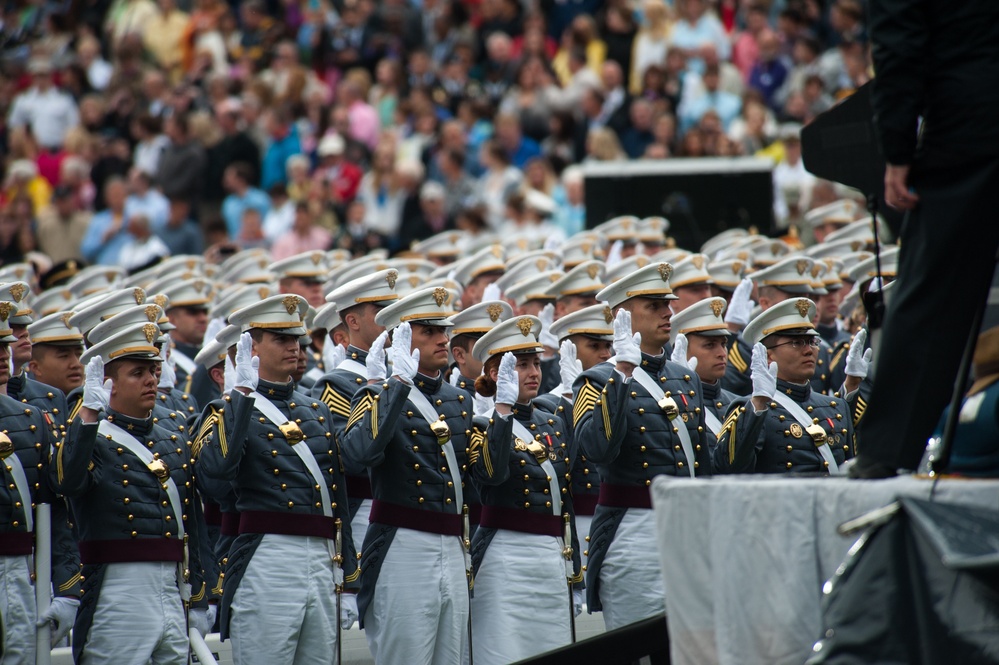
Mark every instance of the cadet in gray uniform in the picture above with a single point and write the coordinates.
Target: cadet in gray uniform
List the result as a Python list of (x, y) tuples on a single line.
[(411, 432), (786, 426), (586, 338), (275, 446), (520, 462), (700, 341), (24, 455), (130, 484), (637, 417), (357, 303)]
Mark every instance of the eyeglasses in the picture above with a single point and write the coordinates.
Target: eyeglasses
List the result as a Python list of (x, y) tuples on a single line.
[(798, 343)]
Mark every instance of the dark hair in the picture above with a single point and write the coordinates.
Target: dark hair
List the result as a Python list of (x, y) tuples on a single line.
[(484, 385), (464, 341)]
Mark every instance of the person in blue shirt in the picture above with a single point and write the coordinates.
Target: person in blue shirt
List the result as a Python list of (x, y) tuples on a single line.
[(243, 195), (725, 104), (107, 232), (284, 143)]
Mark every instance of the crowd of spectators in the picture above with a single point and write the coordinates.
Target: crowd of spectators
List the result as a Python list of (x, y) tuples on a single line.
[(133, 129)]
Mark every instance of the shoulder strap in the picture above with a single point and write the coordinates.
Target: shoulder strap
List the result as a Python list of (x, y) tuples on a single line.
[(815, 431), (672, 412), (435, 421)]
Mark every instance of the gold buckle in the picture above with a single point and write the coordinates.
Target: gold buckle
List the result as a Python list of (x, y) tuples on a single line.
[(6, 446), (159, 469), (539, 450), (669, 407), (441, 431), (292, 432), (817, 433)]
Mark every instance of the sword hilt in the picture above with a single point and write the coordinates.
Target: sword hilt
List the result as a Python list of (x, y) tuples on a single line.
[(338, 544)]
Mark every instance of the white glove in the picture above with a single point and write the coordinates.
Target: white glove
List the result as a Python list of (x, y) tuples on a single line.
[(246, 364), (858, 361), (764, 378), (197, 618), (213, 612), (96, 391), (333, 354), (568, 367), (61, 614), (741, 307), (507, 380), (679, 355), (229, 381), (577, 598), (547, 316), (168, 375), (375, 362), (348, 610), (553, 242), (481, 405), (627, 346), (614, 254), (491, 292), (405, 359), (215, 326), (453, 379)]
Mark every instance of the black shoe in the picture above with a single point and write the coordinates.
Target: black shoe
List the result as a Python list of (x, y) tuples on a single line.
[(864, 468)]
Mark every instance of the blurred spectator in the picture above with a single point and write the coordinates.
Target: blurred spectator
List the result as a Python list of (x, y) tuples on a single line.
[(498, 182), (236, 145), (382, 196), (143, 248), (364, 124), (283, 144), (242, 196), (47, 111), (305, 235), (431, 219), (615, 109), (792, 183), (651, 42), (745, 45), (619, 30), (107, 233), (62, 226), (638, 137), (97, 69), (570, 216), (251, 230), (725, 104), (164, 34), (340, 177), (150, 143), (459, 187), (281, 215), (144, 199), (559, 146), (697, 28), (181, 234), (23, 181), (183, 163), (580, 37), (532, 99), (519, 148), (602, 145), (769, 71)]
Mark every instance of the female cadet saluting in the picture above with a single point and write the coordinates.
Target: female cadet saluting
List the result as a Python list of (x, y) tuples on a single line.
[(523, 552)]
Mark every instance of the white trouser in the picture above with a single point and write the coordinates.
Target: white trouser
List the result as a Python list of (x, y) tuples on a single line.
[(521, 602), (419, 612), (139, 617), (631, 578), (17, 611), (284, 610), (582, 533), (359, 525)]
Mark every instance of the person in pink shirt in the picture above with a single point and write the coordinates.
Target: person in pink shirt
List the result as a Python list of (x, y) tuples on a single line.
[(745, 48), (304, 236), (364, 124)]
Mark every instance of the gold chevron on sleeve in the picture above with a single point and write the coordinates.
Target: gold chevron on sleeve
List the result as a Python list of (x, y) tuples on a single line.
[(353, 577), (363, 406), (729, 426), (735, 358), (75, 411), (585, 400), (858, 411), (337, 403), (204, 433), (68, 584)]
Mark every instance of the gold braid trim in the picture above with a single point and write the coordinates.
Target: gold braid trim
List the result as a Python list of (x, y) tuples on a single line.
[(200, 595), (204, 433), (353, 576), (605, 410), (729, 426), (584, 402), (68, 584), (735, 358), (337, 403), (859, 410), (365, 404)]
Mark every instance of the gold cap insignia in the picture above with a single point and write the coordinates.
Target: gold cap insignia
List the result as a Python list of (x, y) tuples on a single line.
[(777, 248), (150, 331), (290, 304), (665, 270), (109, 275), (816, 270), (454, 237), (521, 243), (497, 251), (191, 264), (494, 310), (802, 306), (65, 319), (71, 265), (593, 270), (414, 280), (199, 285), (608, 314), (263, 292), (736, 267), (391, 276), (5, 309), (525, 325), (801, 266), (698, 261), (586, 247), (440, 296), (641, 261), (541, 264), (152, 313), (717, 306), (316, 258), (160, 300), (856, 245), (17, 291), (139, 295), (554, 277)]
